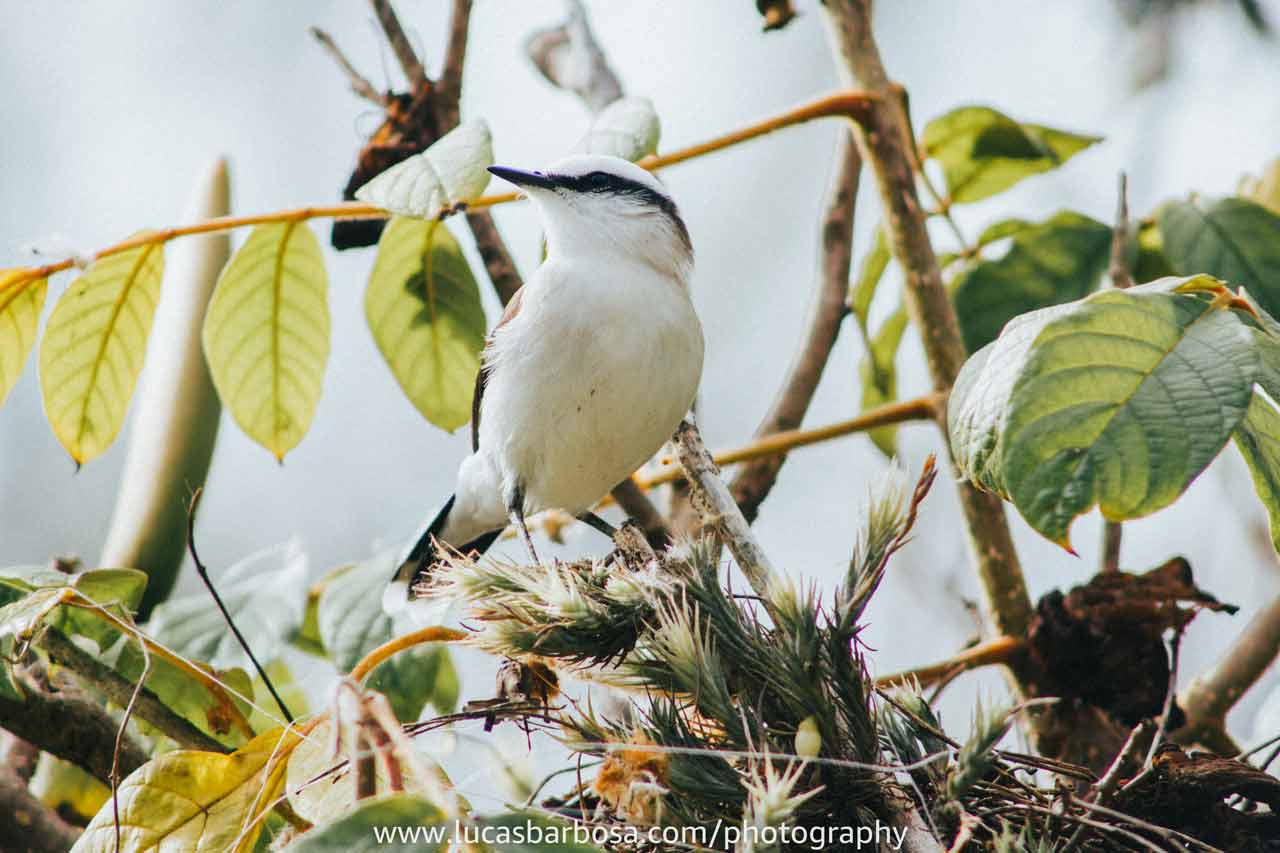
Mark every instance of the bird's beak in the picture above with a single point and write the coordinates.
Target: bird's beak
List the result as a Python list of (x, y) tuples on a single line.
[(521, 178)]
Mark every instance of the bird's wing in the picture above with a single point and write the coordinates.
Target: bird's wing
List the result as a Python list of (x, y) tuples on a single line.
[(508, 314)]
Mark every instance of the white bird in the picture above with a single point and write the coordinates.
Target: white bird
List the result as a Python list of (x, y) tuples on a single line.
[(592, 366)]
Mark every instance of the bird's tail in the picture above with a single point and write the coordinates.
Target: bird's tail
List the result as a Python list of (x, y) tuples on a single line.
[(422, 558)]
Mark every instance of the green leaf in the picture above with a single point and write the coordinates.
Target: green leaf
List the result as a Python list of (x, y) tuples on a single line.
[(356, 831), (94, 346), (984, 152), (627, 128), (20, 305), (1264, 189), (266, 334), (265, 714), (1149, 261), (188, 697), (453, 170), (190, 800), (870, 271), (1122, 402), (423, 307), (879, 374), (264, 595), (1231, 239), (37, 592), (1059, 260), (1258, 437), (352, 624)]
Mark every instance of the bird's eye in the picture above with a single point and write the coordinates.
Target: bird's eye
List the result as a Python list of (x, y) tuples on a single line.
[(598, 180)]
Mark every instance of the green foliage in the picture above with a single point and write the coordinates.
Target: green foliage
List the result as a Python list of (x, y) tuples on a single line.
[(450, 172), (976, 760), (423, 308), (1232, 239), (353, 832), (35, 597), (20, 304), (1120, 399), (983, 152), (627, 128), (94, 346), (266, 334), (877, 370), (188, 696), (1056, 261), (1258, 438)]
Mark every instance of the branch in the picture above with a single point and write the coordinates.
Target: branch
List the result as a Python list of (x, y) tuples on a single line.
[(434, 634), (636, 504), (359, 85), (455, 54), (999, 650), (1112, 531), (887, 145), (719, 512), (120, 690), (405, 54), (752, 483), (493, 251), (72, 728), (1209, 698), (29, 824)]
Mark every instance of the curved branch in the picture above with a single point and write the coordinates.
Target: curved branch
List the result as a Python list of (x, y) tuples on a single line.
[(752, 482), (29, 824)]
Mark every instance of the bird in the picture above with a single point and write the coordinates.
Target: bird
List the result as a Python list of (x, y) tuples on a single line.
[(593, 365)]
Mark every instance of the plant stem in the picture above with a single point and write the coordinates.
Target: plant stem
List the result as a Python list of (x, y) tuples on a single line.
[(998, 650), (433, 634), (887, 146), (753, 482), (1112, 531), (120, 690)]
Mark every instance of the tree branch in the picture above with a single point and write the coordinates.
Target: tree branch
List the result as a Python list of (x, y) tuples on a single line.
[(455, 54), (28, 823), (405, 54), (493, 252), (1112, 531), (1209, 698), (998, 650), (359, 85), (753, 481), (636, 504), (120, 690), (71, 728), (887, 145)]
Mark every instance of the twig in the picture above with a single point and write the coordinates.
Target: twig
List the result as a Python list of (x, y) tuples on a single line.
[(1213, 694), (753, 482), (226, 615), (28, 823), (1162, 731), (120, 690), (998, 650), (1112, 531), (455, 54), (405, 54), (70, 728), (359, 84), (719, 511), (1101, 791), (434, 634), (887, 147), (636, 504), (120, 735)]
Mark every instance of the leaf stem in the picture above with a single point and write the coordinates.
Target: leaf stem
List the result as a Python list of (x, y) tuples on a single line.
[(433, 634)]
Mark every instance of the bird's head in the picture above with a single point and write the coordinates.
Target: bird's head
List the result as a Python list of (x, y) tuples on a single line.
[(593, 204)]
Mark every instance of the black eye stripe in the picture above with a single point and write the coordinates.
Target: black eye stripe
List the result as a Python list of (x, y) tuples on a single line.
[(605, 182)]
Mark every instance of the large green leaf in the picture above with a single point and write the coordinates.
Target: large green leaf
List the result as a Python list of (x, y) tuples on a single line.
[(1058, 260), (264, 594), (94, 346), (352, 623), (1258, 438), (627, 128), (1122, 402), (1232, 239), (189, 800), (983, 152), (266, 334), (20, 303), (453, 170), (35, 595), (188, 696), (423, 307), (395, 823)]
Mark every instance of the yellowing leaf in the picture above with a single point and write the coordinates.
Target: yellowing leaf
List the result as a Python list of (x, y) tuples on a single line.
[(94, 346), (423, 307), (627, 128), (266, 334), (1258, 437), (20, 304), (452, 170), (196, 801)]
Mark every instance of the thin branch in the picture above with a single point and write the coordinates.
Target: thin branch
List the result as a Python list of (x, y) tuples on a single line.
[(636, 504), (434, 634), (1112, 535), (888, 147), (119, 742), (752, 482), (720, 512), (359, 84), (222, 608), (1112, 531), (1126, 761), (405, 54), (120, 690), (455, 54), (998, 650), (1170, 696), (70, 728), (1209, 698), (28, 823)]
